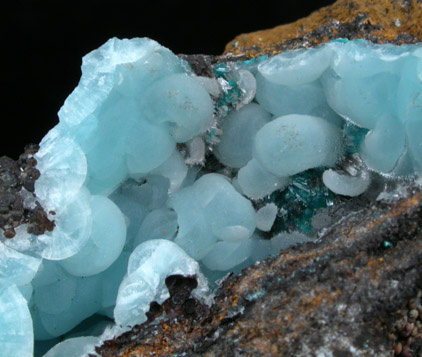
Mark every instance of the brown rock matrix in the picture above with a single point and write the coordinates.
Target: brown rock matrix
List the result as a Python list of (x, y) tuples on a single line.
[(379, 21), (17, 185)]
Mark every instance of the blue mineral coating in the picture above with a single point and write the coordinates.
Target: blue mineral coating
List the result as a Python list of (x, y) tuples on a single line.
[(192, 224), (256, 182), (65, 302), (149, 264), (226, 255), (384, 145), (17, 268), (174, 169), (239, 129), (73, 224), (266, 216), (126, 178), (159, 224), (16, 333), (181, 104), (230, 216), (112, 278), (295, 143), (73, 347), (26, 291), (346, 185), (280, 99), (105, 243), (64, 169), (211, 210), (295, 66)]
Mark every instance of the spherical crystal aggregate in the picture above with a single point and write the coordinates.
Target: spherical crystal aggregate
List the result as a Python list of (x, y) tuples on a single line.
[(131, 209)]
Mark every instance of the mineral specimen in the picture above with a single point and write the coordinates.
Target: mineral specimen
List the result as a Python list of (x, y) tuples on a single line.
[(155, 171)]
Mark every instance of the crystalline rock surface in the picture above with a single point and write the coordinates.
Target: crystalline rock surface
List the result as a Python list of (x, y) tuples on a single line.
[(153, 171)]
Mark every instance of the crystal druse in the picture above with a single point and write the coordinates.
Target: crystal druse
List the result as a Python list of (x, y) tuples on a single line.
[(154, 171)]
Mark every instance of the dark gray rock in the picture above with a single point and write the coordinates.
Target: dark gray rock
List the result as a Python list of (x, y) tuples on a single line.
[(17, 180)]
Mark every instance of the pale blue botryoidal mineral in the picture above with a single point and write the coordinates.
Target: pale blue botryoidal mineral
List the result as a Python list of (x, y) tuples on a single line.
[(76, 346), (153, 170), (211, 209), (266, 216), (240, 128), (16, 334), (149, 265), (106, 241)]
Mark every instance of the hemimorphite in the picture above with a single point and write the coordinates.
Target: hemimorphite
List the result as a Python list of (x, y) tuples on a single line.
[(384, 145), (286, 146), (73, 224), (295, 68), (105, 243), (265, 217), (159, 224), (226, 255), (284, 100), (64, 169), (16, 335), (240, 128), (149, 264), (16, 268), (256, 182), (346, 185), (153, 171), (73, 347), (295, 143), (114, 76), (64, 302), (230, 216), (211, 209), (179, 102)]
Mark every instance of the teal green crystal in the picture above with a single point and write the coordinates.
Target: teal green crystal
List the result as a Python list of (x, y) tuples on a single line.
[(153, 170), (301, 199)]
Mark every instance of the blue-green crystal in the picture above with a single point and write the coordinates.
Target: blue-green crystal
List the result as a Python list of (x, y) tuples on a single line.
[(153, 170)]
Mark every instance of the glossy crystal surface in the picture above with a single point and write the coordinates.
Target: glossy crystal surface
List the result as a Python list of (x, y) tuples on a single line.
[(154, 171)]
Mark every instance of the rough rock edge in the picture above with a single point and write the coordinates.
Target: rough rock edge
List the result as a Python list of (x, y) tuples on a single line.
[(344, 295), (18, 203), (201, 64), (378, 21)]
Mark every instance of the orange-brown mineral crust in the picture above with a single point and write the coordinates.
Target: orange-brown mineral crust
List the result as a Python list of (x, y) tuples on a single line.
[(379, 21)]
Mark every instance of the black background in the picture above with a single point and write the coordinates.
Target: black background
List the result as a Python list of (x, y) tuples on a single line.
[(43, 42)]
